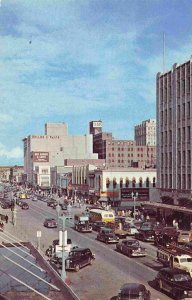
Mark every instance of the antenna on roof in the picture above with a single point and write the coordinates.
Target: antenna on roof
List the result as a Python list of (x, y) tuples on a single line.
[(163, 52)]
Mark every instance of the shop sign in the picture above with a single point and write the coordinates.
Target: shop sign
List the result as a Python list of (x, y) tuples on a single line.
[(143, 194), (40, 156)]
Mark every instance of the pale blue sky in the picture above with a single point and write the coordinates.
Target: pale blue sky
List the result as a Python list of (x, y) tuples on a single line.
[(75, 61)]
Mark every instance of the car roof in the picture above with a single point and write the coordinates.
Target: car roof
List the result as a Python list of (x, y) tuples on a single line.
[(79, 249), (134, 287), (173, 271)]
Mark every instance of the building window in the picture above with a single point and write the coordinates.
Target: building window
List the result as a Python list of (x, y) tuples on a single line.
[(154, 182), (140, 182), (121, 183), (147, 182), (107, 183), (126, 182), (44, 171), (114, 183), (133, 183)]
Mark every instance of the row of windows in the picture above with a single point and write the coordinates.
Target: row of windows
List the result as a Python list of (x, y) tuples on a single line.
[(183, 181), (120, 143), (132, 149), (129, 183)]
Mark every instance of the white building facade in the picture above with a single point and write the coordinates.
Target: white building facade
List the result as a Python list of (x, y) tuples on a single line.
[(145, 133), (41, 152)]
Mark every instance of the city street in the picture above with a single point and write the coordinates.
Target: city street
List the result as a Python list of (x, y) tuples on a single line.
[(110, 269)]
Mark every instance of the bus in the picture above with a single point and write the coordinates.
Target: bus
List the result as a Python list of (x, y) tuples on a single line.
[(101, 215)]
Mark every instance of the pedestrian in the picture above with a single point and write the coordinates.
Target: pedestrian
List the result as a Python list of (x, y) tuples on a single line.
[(147, 218), (6, 218)]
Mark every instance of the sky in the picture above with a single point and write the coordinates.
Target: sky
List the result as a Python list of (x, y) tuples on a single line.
[(75, 61)]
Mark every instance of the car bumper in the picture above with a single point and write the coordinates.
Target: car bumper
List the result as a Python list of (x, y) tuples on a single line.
[(112, 241), (138, 254)]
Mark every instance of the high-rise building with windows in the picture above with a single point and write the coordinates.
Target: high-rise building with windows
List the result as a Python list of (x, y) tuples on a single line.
[(145, 133), (122, 153), (174, 134)]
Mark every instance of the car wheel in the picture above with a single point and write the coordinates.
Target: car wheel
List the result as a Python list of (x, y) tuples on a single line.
[(77, 267)]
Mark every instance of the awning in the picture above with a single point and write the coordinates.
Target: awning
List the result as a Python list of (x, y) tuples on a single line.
[(168, 206)]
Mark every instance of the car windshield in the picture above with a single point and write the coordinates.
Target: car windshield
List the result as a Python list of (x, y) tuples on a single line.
[(182, 277), (74, 254)]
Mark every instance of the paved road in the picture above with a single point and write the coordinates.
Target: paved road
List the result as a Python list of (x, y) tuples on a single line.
[(110, 270)]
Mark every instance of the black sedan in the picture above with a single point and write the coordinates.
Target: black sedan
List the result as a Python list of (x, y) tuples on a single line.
[(133, 291), (132, 248), (107, 237), (97, 225), (176, 282)]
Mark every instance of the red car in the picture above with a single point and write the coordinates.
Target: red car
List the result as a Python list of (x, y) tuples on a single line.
[(50, 223)]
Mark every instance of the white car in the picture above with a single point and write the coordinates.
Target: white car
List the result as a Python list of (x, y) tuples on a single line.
[(131, 229)]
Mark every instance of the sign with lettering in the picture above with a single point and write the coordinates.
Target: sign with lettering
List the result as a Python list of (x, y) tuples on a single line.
[(97, 124), (40, 156), (126, 194)]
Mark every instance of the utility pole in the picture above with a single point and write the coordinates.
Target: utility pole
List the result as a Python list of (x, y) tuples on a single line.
[(64, 244)]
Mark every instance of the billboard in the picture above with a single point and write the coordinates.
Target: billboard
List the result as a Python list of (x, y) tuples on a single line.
[(143, 194), (41, 157)]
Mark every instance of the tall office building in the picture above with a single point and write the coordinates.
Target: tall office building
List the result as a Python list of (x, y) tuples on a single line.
[(123, 153), (174, 139), (145, 133)]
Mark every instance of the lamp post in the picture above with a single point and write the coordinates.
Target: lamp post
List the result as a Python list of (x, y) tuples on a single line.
[(134, 196)]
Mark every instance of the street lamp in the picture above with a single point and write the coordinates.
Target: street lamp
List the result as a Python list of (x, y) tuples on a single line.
[(134, 196)]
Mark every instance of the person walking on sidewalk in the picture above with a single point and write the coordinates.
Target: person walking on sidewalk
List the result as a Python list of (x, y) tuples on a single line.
[(6, 218)]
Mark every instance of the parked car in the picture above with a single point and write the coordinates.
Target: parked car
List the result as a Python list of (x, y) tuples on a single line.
[(132, 291), (50, 223), (6, 205), (131, 248), (176, 282), (62, 205), (34, 198), (184, 237), (79, 258), (97, 225), (51, 202), (24, 205), (167, 237), (106, 235), (130, 228), (145, 235)]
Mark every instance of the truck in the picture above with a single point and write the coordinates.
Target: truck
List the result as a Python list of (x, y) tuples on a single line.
[(81, 223), (171, 258)]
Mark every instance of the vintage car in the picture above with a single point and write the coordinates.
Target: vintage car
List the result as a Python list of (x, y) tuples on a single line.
[(50, 223), (184, 237), (79, 258), (25, 205), (133, 291), (167, 237), (132, 248), (97, 225), (130, 229), (106, 235), (176, 282), (146, 235)]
